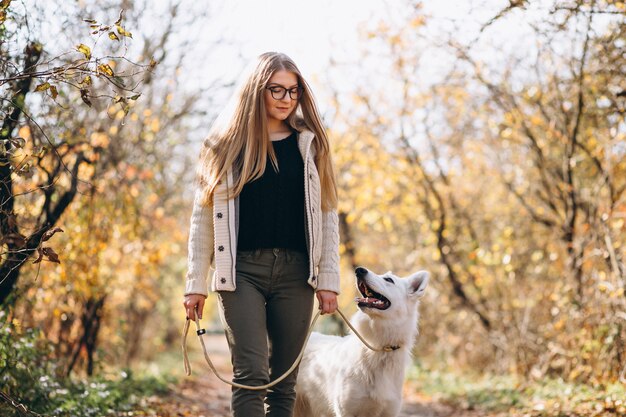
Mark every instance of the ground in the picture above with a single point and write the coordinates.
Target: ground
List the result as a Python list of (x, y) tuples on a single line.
[(203, 395)]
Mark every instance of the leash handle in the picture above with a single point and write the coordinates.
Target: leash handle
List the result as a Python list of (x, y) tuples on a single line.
[(200, 332)]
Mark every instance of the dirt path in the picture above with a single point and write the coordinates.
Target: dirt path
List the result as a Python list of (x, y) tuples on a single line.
[(203, 395)]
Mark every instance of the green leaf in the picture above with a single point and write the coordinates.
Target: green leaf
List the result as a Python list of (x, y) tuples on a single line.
[(119, 80)]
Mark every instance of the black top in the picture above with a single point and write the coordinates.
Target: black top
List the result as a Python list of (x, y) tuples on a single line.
[(271, 208)]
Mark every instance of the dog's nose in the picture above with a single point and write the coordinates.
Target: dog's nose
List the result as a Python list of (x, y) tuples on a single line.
[(360, 272)]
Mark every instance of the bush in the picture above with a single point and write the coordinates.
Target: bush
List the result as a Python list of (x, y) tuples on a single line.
[(28, 374)]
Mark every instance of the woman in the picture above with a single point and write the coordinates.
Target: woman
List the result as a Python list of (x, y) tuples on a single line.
[(265, 216)]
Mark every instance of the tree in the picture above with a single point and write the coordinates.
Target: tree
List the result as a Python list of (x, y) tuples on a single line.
[(42, 162), (121, 224), (503, 177)]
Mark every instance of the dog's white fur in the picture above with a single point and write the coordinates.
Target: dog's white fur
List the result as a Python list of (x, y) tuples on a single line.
[(341, 377)]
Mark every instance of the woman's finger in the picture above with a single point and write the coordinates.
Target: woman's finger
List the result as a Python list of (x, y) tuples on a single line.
[(200, 306)]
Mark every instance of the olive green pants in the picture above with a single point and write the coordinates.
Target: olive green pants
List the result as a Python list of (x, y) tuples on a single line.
[(266, 320)]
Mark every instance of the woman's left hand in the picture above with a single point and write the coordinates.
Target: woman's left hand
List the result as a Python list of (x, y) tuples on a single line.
[(327, 301)]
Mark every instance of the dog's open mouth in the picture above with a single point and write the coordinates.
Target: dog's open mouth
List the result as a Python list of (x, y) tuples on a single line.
[(371, 298)]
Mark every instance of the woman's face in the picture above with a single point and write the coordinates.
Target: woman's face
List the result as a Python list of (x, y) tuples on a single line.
[(279, 109)]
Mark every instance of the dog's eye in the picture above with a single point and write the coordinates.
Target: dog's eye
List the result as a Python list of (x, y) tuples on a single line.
[(389, 280)]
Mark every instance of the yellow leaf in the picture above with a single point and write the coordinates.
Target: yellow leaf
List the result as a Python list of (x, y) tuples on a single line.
[(105, 68), (85, 50), (113, 36), (86, 80), (42, 87), (18, 325), (123, 31)]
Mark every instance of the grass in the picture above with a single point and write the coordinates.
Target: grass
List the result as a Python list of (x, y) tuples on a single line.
[(513, 396)]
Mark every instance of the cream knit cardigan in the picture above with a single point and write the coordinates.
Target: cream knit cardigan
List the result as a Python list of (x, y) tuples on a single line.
[(213, 234)]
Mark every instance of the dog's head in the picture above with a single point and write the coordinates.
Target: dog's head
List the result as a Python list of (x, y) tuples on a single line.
[(387, 293)]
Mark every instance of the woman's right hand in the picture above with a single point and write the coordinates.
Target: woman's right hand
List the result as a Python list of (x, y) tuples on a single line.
[(190, 303)]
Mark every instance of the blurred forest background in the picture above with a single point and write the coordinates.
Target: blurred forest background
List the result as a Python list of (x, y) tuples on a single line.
[(501, 171)]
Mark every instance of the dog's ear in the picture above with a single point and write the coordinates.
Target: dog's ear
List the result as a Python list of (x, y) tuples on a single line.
[(418, 282)]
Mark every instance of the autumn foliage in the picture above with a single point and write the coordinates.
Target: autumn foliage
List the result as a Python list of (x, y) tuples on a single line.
[(502, 173)]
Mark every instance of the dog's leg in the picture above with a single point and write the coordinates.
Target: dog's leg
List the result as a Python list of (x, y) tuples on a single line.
[(302, 407), (391, 411)]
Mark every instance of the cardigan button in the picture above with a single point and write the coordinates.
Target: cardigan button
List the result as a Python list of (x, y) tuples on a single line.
[(220, 215), (310, 176), (220, 248), (223, 280)]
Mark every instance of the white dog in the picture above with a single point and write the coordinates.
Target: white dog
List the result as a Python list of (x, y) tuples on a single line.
[(340, 376)]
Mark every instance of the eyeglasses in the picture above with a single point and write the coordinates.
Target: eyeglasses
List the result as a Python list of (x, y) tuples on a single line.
[(278, 92)]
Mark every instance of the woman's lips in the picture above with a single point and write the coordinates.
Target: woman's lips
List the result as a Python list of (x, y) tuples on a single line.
[(283, 108)]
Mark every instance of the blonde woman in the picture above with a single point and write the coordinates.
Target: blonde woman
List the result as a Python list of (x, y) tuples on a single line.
[(265, 217)]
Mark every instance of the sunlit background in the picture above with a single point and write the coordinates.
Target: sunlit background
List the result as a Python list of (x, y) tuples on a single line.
[(482, 141)]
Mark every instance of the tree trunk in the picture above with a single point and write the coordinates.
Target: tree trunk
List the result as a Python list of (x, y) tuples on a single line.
[(9, 270), (91, 325)]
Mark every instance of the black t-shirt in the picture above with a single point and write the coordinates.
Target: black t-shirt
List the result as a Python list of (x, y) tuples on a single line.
[(271, 208)]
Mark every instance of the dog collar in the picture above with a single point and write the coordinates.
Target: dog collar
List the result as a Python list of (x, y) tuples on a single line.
[(390, 348)]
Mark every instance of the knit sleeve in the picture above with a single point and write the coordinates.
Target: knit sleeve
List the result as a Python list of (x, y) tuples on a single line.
[(329, 263), (200, 247)]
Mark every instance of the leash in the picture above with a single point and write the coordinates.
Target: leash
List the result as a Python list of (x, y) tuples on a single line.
[(200, 331)]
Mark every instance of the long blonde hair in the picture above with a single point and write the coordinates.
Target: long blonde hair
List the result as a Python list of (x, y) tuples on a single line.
[(239, 137)]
